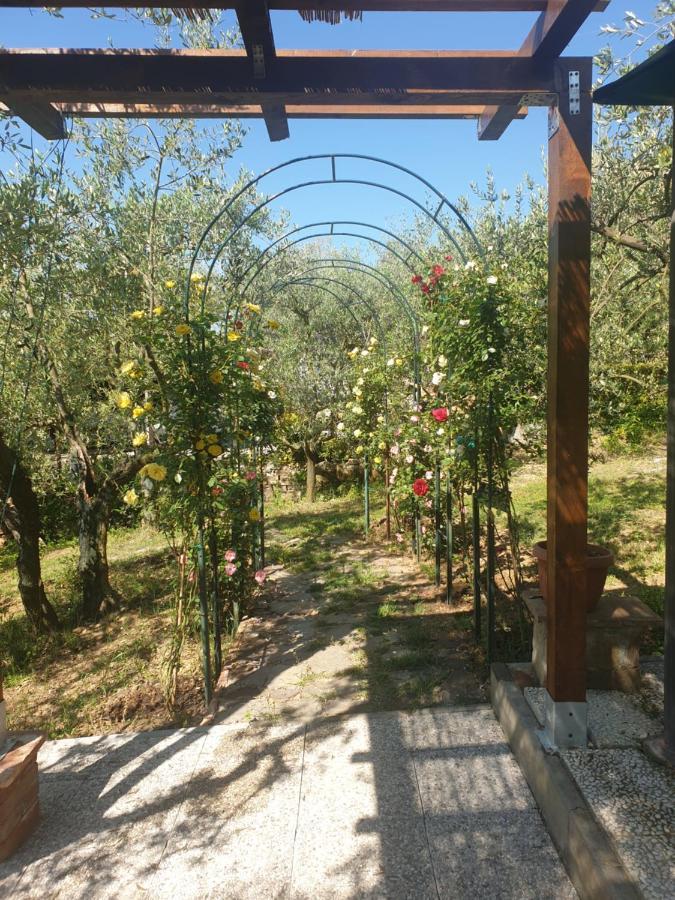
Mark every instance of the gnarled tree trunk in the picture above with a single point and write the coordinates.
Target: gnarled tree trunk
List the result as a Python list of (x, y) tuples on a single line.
[(22, 523), (98, 595)]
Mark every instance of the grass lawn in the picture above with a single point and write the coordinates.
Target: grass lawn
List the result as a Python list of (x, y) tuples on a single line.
[(92, 679), (626, 506)]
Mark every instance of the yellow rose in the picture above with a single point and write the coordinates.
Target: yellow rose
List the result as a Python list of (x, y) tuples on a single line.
[(196, 276), (216, 377), (378, 460), (214, 449), (154, 471), (233, 336), (170, 285), (199, 445), (253, 515), (123, 400), (140, 439), (398, 361), (382, 445), (157, 310), (128, 367), (211, 439), (137, 412), (138, 314), (273, 324), (359, 450), (131, 498), (183, 329), (252, 307)]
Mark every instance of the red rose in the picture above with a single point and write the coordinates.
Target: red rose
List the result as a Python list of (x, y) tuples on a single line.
[(243, 365), (216, 491), (416, 279), (449, 257), (440, 414), (438, 271), (420, 487), (425, 288)]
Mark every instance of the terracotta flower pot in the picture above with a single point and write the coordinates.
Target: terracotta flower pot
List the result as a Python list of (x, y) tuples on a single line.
[(598, 561)]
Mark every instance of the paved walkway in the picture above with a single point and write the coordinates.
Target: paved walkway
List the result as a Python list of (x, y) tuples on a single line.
[(311, 650), (427, 804)]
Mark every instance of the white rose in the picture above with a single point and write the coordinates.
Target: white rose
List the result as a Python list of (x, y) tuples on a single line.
[(491, 279)]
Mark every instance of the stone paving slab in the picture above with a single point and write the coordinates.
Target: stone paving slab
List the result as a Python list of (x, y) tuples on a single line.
[(426, 804)]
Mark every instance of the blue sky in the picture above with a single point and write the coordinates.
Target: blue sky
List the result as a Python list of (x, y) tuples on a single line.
[(446, 153)]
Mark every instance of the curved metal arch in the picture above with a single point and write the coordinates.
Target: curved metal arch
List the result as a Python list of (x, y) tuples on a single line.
[(333, 157), (296, 187), (338, 262), (309, 237), (280, 285), (411, 250), (333, 180)]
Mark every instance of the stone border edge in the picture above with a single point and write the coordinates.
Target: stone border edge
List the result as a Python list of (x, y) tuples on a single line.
[(584, 846)]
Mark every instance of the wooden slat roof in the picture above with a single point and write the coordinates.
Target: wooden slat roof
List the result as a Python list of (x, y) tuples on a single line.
[(495, 87)]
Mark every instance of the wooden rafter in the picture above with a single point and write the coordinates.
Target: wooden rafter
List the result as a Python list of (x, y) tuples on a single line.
[(333, 77), (357, 5), (253, 111), (551, 33), (256, 32)]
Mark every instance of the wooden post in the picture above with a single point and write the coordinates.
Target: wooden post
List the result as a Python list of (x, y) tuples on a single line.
[(662, 747), (569, 179)]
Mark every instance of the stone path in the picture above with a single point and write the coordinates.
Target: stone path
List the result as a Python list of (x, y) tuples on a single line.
[(309, 652), (322, 777), (428, 804)]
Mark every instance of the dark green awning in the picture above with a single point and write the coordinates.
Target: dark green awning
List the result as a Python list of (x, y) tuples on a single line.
[(652, 83)]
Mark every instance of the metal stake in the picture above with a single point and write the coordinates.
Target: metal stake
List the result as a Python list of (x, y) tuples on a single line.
[(437, 522), (448, 540), (204, 611)]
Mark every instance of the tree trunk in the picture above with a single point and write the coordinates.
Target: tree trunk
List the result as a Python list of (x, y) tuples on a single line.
[(310, 460), (98, 596), (22, 524)]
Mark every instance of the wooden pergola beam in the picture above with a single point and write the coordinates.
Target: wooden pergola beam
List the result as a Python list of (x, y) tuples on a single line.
[(490, 6), (253, 111), (316, 78), (256, 32), (551, 33), (44, 118)]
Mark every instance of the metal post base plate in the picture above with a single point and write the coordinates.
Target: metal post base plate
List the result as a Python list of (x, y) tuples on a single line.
[(566, 723)]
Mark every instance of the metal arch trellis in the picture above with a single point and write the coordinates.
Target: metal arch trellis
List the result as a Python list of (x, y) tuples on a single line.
[(309, 237), (334, 179), (315, 283), (356, 266), (396, 293), (316, 279), (366, 269), (351, 222)]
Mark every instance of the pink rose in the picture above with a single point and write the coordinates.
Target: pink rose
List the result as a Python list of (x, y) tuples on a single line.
[(230, 569), (230, 555), (260, 576), (250, 476)]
